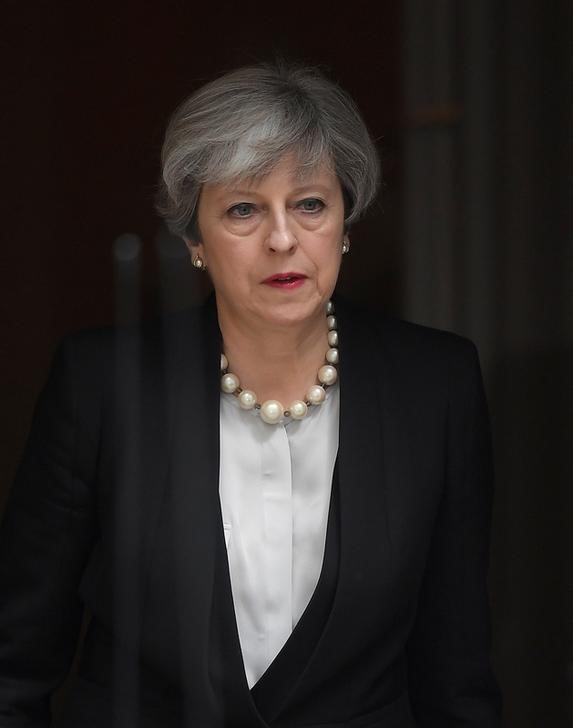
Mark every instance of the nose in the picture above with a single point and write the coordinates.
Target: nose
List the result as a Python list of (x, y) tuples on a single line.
[(281, 237)]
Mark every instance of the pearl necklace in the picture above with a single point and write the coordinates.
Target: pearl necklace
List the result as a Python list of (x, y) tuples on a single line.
[(272, 411)]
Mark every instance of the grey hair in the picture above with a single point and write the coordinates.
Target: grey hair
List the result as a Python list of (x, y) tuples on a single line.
[(241, 125)]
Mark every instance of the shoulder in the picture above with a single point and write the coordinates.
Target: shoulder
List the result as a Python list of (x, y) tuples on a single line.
[(145, 344), (402, 339), (431, 358), (422, 358), (96, 370), (407, 342)]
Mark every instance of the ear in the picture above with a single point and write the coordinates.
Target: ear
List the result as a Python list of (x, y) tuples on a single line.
[(194, 247)]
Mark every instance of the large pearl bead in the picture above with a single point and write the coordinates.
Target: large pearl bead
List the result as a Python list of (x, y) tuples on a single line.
[(330, 307), (327, 374), (271, 411), (229, 383), (224, 363), (316, 394), (247, 399), (331, 322), (333, 338), (332, 356), (298, 409)]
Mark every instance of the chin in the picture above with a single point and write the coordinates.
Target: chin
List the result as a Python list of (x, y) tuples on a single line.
[(291, 313)]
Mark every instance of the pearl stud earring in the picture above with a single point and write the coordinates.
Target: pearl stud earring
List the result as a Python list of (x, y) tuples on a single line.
[(198, 263)]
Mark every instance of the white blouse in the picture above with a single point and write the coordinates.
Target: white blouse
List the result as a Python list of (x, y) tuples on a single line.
[(274, 486)]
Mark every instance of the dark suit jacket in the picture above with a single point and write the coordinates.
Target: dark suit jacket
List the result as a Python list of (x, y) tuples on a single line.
[(116, 507)]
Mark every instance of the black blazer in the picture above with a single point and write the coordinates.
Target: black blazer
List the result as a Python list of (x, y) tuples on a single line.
[(116, 507)]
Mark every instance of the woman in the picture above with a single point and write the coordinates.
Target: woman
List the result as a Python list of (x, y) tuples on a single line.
[(275, 508)]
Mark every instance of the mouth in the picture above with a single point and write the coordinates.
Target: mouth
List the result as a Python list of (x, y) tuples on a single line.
[(285, 280)]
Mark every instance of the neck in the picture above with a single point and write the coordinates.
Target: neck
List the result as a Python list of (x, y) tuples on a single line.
[(276, 362)]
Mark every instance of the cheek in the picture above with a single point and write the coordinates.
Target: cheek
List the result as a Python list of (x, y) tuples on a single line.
[(231, 267), (328, 268), (326, 246)]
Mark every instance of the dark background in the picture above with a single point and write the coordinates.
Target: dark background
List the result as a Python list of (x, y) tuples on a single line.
[(471, 105)]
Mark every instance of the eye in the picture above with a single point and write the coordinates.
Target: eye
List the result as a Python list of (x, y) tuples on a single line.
[(311, 204), (242, 210)]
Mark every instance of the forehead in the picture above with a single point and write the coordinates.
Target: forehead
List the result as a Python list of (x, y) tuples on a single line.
[(288, 170)]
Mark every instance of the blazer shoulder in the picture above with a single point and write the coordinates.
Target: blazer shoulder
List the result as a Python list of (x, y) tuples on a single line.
[(100, 348), (410, 338), (405, 339), (419, 359), (433, 356)]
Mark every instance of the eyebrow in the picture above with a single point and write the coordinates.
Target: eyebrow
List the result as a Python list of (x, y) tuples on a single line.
[(310, 186)]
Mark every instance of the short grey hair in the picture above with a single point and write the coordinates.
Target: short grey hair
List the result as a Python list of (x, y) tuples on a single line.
[(243, 123)]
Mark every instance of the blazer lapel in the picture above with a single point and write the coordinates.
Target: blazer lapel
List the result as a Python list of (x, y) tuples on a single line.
[(364, 537), (195, 605)]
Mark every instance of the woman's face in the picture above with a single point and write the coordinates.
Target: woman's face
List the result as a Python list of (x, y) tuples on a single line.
[(273, 246)]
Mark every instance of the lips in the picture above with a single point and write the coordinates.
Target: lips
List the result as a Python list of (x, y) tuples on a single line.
[(286, 280)]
